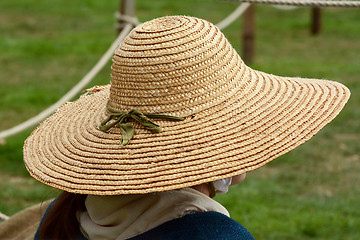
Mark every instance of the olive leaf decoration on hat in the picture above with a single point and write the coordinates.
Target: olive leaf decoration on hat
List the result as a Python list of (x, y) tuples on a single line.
[(127, 130)]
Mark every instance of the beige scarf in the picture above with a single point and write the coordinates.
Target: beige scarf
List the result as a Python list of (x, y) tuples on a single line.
[(124, 216)]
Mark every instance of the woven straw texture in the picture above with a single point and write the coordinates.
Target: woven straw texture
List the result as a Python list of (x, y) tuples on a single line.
[(236, 119)]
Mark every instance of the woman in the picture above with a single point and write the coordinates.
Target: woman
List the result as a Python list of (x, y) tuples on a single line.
[(182, 118), (179, 214)]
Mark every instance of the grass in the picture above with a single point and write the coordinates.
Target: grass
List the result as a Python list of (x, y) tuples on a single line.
[(310, 193)]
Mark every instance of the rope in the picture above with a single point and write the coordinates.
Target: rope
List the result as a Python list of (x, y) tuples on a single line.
[(311, 3), (125, 19), (77, 88), (3, 217), (234, 15), (284, 7)]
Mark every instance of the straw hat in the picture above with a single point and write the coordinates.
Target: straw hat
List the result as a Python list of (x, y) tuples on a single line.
[(236, 119)]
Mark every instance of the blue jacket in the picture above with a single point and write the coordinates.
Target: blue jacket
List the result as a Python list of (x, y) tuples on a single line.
[(202, 226)]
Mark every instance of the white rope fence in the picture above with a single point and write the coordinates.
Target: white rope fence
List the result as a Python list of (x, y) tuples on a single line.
[(308, 3), (99, 65), (130, 22)]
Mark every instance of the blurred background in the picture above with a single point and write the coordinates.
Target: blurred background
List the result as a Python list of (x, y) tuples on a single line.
[(313, 192)]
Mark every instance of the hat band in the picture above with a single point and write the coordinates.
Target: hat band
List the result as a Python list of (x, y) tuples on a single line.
[(127, 130)]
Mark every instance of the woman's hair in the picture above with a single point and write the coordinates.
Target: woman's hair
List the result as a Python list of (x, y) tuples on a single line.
[(60, 221)]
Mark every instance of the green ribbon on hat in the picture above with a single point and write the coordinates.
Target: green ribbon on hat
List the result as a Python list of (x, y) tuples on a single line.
[(127, 130)]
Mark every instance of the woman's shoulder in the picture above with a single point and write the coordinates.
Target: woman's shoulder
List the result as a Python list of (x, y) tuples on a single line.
[(204, 225)]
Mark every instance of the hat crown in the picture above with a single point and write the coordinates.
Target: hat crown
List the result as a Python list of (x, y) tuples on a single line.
[(162, 24), (175, 65)]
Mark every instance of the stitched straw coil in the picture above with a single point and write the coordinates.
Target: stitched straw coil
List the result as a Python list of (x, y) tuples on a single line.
[(236, 119)]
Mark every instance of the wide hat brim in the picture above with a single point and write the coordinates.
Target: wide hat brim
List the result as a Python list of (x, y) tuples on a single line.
[(234, 123)]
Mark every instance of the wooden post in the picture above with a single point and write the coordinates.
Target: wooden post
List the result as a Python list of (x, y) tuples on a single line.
[(316, 21), (248, 34), (126, 8)]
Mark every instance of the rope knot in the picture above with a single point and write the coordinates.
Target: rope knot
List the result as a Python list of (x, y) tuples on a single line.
[(127, 130)]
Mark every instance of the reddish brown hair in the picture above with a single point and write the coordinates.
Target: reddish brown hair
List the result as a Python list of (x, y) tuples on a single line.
[(60, 221)]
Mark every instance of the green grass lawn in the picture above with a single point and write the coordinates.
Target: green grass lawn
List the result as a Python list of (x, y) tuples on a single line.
[(313, 192)]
